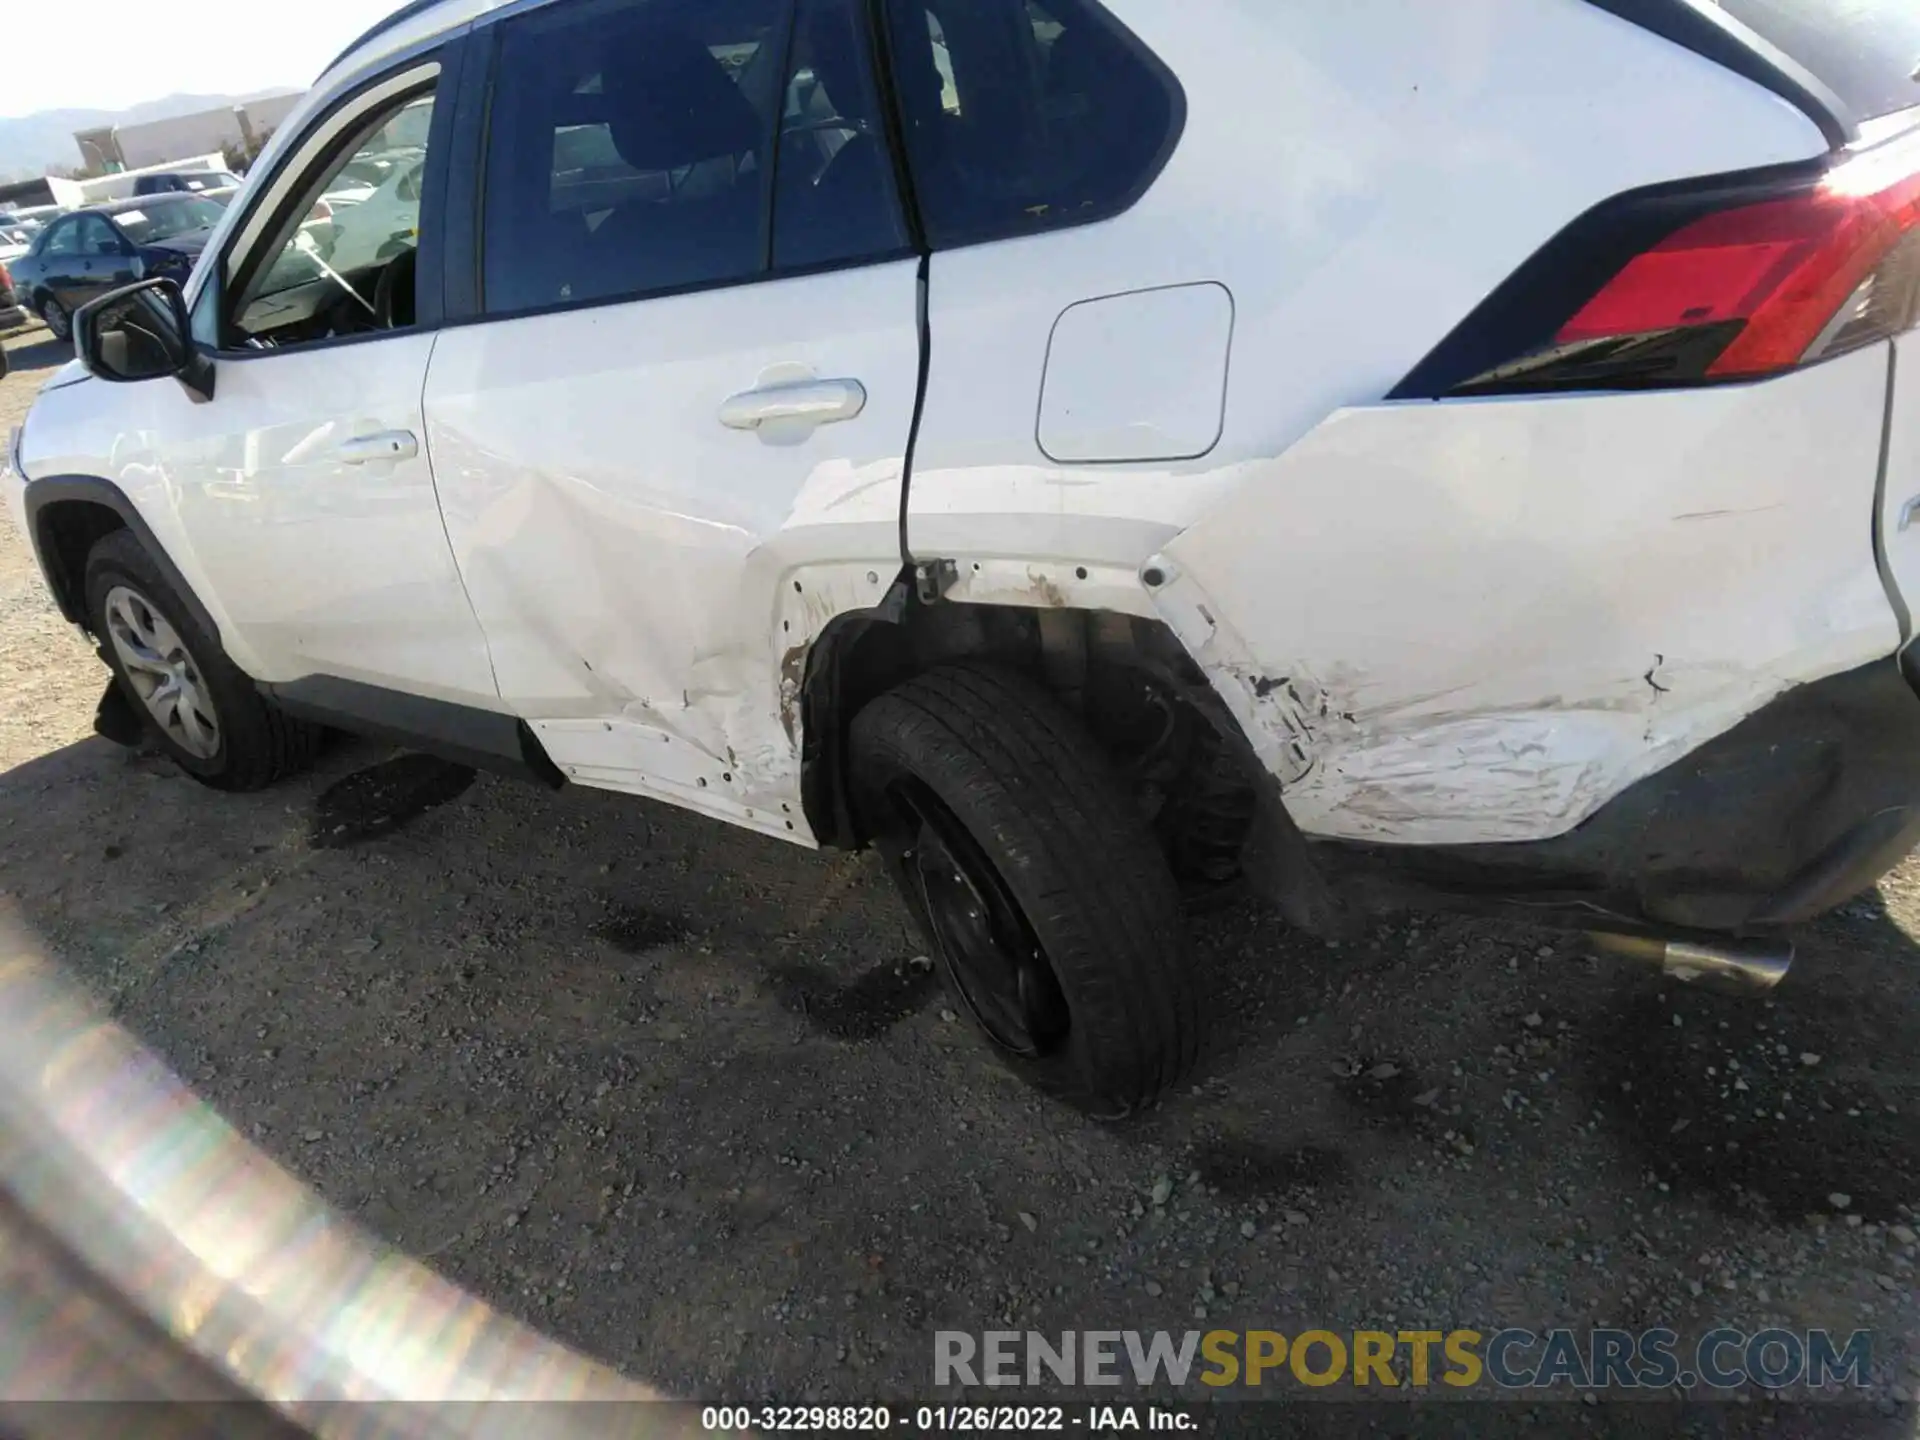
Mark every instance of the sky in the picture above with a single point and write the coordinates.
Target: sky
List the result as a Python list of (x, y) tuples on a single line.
[(127, 51)]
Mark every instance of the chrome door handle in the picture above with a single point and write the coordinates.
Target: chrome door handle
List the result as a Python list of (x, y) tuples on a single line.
[(1907, 512), (387, 445), (795, 404)]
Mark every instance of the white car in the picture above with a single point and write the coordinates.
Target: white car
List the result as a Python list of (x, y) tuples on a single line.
[(1458, 451), (376, 216)]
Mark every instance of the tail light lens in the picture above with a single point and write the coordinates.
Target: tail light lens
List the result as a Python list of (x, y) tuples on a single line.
[(1749, 284)]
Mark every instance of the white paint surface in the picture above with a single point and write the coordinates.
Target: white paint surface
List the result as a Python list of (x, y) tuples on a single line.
[(634, 559), (1141, 376), (1491, 616)]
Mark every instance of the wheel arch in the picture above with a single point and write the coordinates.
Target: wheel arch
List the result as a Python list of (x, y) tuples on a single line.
[(861, 655), (67, 515)]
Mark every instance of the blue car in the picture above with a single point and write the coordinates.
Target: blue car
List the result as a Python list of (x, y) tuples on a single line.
[(101, 247)]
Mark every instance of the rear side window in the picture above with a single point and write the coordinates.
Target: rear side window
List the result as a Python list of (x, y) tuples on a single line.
[(1026, 115), (836, 197), (630, 149), (642, 147), (1866, 51)]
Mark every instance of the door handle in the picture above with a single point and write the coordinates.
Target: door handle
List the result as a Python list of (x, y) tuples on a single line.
[(1907, 512), (387, 445), (798, 404)]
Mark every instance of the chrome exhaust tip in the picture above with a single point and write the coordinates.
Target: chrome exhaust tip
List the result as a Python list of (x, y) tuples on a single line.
[(1742, 966)]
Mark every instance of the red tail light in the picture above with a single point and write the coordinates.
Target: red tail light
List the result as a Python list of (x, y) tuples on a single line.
[(1755, 278), (1800, 274)]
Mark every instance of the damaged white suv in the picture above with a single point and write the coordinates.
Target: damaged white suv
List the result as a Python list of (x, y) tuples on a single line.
[(1089, 451)]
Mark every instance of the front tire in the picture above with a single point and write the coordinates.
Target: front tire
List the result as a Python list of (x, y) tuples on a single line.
[(190, 697), (1050, 908)]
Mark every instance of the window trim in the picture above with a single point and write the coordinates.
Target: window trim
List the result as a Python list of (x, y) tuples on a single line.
[(466, 253), (1176, 93), (433, 67)]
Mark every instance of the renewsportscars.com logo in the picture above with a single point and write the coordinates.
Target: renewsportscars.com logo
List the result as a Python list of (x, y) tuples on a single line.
[(1409, 1360)]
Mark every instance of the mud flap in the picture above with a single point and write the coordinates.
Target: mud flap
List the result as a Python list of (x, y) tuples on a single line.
[(115, 718)]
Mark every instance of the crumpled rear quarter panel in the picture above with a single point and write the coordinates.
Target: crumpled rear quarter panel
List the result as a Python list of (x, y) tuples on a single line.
[(1475, 621)]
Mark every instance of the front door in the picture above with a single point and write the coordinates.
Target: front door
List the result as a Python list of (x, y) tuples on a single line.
[(306, 491), (105, 262), (61, 258), (693, 387)]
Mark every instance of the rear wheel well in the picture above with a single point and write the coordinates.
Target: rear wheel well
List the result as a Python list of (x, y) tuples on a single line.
[(1127, 679), (66, 532)]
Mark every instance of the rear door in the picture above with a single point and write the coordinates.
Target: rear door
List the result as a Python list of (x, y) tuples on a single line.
[(58, 259), (690, 385)]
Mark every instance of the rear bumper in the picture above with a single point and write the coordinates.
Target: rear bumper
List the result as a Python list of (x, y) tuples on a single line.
[(1800, 807), (12, 313)]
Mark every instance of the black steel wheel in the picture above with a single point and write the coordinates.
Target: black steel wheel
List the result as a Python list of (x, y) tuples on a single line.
[(1050, 908)]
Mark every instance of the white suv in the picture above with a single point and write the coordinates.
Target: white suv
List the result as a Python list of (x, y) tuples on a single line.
[(1096, 453)]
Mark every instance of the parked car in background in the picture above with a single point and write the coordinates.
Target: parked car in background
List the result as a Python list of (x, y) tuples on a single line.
[(27, 224), (15, 240), (191, 182), (12, 312), (83, 255)]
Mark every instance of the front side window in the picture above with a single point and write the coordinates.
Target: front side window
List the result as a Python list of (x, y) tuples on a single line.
[(62, 239), (345, 259), (1025, 115), (630, 149)]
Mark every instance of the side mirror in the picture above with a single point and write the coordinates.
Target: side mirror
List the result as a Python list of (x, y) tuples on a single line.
[(142, 332)]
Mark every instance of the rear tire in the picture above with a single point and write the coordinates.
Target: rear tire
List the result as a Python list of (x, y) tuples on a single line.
[(57, 319), (190, 697), (1054, 919)]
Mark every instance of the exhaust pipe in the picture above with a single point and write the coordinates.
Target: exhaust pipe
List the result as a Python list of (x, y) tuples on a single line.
[(1747, 967)]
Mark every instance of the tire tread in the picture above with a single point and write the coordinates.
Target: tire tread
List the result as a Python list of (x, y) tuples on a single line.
[(1038, 793)]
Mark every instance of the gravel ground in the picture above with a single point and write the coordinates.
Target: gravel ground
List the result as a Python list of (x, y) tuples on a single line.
[(682, 1096)]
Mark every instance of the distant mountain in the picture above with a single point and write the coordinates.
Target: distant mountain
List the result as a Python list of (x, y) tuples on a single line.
[(30, 143)]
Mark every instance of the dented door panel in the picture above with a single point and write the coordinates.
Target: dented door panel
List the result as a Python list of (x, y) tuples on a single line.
[(646, 568)]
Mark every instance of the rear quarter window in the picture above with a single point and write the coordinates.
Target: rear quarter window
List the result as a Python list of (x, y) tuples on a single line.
[(1866, 51), (1027, 115)]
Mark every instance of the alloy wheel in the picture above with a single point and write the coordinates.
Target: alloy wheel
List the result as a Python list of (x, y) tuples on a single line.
[(58, 321), (162, 672)]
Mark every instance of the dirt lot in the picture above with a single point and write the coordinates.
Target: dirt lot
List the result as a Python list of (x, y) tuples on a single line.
[(679, 1095)]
